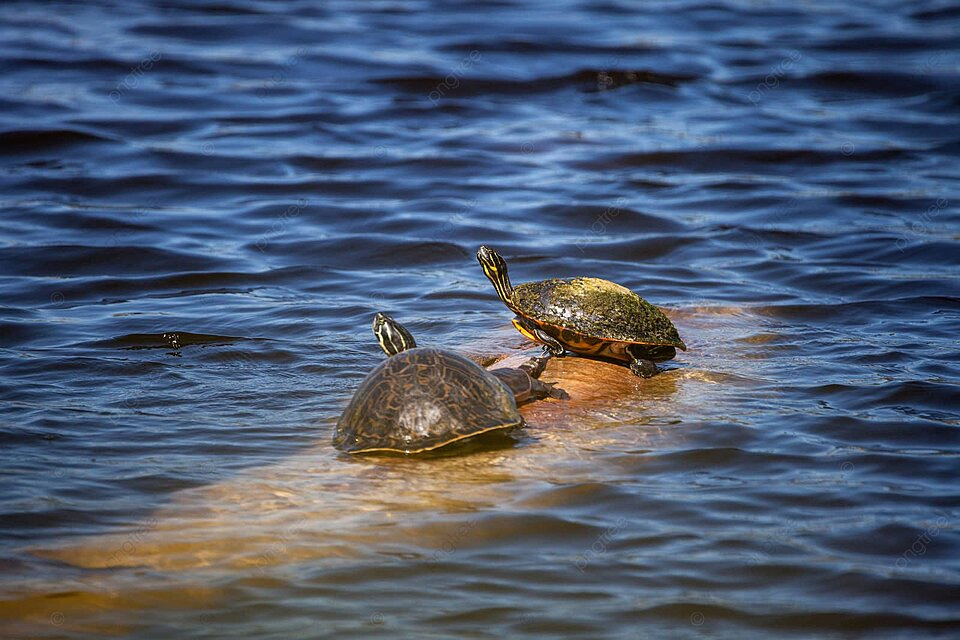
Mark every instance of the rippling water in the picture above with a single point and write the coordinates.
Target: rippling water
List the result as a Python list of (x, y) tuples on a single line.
[(205, 202)]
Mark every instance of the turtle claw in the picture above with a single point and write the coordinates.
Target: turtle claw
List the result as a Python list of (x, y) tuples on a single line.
[(557, 392), (556, 351), (644, 368)]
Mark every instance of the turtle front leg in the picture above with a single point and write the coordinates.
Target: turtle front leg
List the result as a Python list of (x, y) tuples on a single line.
[(532, 332), (552, 344), (535, 365), (533, 368), (641, 366)]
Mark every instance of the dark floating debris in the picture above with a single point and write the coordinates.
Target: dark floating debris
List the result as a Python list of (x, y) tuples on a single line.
[(170, 340)]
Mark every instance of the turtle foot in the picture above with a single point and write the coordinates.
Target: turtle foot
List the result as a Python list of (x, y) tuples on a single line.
[(557, 392), (644, 368)]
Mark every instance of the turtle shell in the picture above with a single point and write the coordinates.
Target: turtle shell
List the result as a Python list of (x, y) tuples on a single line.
[(597, 309), (422, 399)]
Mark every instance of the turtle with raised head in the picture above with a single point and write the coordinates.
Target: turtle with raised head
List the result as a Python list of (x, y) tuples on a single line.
[(588, 316), (421, 398)]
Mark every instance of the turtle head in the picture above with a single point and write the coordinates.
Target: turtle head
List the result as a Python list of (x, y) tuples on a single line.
[(495, 269), (391, 335)]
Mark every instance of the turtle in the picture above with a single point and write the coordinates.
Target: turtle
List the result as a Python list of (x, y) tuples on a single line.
[(588, 316), (522, 380), (422, 398)]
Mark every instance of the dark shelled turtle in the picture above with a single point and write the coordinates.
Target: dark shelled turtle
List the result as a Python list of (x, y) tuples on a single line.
[(421, 399)]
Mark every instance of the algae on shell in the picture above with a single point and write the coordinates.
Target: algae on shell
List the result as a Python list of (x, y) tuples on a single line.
[(598, 308)]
